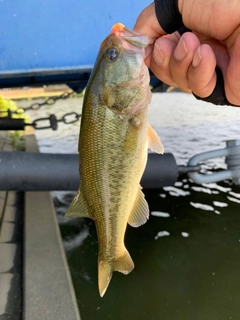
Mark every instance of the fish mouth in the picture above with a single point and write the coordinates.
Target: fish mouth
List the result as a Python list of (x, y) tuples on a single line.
[(131, 37)]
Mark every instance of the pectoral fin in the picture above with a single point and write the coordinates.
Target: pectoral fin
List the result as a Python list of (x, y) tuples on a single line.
[(140, 211), (78, 207), (154, 142)]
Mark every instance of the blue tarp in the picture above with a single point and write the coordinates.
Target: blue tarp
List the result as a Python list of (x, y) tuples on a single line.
[(58, 35)]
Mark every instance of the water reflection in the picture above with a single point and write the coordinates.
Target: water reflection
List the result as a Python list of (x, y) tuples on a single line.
[(233, 199), (237, 195), (220, 204), (160, 214), (202, 206), (185, 234), (161, 234), (176, 192), (201, 189), (217, 187)]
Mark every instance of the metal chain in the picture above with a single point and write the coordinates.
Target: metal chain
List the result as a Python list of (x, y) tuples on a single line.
[(52, 121), (48, 102)]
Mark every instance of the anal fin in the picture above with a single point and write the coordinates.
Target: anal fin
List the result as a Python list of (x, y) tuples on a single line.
[(78, 207), (140, 211)]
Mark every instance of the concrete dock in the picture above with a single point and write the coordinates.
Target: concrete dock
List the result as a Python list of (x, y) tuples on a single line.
[(35, 282)]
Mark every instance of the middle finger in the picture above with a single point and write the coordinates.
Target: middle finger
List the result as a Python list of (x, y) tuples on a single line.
[(182, 58)]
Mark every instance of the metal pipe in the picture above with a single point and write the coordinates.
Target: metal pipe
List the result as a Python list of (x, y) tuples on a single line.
[(11, 124), (25, 171), (232, 154)]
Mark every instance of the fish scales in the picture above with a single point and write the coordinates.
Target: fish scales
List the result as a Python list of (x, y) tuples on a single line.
[(114, 137), (113, 173)]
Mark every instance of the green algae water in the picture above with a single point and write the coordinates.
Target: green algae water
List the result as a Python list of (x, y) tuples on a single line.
[(187, 256)]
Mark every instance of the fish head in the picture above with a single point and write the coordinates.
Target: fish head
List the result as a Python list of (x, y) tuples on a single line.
[(124, 84)]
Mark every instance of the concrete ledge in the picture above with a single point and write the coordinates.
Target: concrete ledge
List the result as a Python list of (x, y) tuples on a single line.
[(2, 195), (10, 213), (7, 232), (48, 289), (11, 198), (5, 285), (7, 256), (2, 204)]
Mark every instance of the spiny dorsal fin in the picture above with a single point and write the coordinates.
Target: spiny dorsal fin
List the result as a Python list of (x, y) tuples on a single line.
[(154, 142), (140, 211), (78, 207)]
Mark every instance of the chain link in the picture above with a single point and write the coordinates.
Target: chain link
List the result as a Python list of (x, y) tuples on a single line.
[(70, 117), (49, 101), (51, 122)]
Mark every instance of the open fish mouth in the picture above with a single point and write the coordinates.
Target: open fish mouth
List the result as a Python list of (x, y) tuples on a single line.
[(134, 39)]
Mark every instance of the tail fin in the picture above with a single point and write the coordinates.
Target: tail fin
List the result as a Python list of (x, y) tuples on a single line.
[(123, 264), (104, 276)]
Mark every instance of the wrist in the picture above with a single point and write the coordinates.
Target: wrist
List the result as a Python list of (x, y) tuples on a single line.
[(168, 15)]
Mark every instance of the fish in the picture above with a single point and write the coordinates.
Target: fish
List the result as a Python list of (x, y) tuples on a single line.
[(113, 146)]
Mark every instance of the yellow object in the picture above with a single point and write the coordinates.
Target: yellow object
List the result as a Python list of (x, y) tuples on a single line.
[(113, 143), (6, 105)]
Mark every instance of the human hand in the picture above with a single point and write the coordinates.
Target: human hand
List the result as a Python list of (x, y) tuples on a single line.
[(189, 61)]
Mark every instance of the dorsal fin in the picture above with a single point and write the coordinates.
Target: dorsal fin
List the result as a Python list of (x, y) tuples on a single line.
[(140, 211), (154, 142)]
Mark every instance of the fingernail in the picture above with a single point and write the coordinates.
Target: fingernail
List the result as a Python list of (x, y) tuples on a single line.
[(197, 58), (181, 51), (158, 55)]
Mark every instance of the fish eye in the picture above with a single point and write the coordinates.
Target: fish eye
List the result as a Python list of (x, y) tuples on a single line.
[(111, 54)]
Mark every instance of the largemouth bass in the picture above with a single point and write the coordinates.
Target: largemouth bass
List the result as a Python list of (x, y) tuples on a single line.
[(113, 143)]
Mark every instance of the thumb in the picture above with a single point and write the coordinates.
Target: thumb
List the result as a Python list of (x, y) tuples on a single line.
[(147, 23)]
